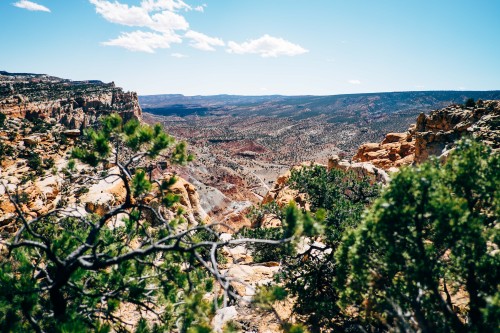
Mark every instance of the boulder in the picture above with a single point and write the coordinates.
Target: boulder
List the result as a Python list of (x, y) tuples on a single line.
[(222, 316), (72, 133), (32, 140)]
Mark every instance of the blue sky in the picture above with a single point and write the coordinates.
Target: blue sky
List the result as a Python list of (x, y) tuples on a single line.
[(257, 47)]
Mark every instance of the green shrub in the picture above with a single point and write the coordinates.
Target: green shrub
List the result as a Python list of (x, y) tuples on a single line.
[(262, 252), (35, 162), (430, 236), (5, 150), (3, 117), (470, 103)]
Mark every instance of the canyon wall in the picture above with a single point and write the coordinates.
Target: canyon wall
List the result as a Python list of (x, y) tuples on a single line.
[(75, 104)]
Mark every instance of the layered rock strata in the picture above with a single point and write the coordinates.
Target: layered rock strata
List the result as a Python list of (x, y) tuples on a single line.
[(75, 104), (434, 135)]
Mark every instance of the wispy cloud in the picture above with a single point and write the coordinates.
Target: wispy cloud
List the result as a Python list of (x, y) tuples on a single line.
[(267, 47), (168, 21), (354, 81), (203, 42), (123, 14), (144, 41), (178, 55), (171, 5), (200, 8), (25, 4)]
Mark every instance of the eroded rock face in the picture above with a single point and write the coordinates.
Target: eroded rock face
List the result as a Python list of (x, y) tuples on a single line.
[(361, 169), (76, 105), (45, 115), (282, 194), (434, 135), (189, 201)]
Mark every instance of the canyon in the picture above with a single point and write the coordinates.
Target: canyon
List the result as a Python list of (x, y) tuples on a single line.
[(244, 147)]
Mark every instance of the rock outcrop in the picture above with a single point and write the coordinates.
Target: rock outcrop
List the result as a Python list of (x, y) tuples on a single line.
[(434, 135), (361, 169), (75, 104), (282, 194), (44, 117)]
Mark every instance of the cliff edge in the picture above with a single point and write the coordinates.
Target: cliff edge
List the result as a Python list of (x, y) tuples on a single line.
[(434, 135)]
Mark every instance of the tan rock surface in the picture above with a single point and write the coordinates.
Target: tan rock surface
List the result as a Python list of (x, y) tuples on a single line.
[(434, 135)]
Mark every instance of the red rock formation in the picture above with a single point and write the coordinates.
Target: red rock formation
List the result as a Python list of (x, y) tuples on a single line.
[(434, 134)]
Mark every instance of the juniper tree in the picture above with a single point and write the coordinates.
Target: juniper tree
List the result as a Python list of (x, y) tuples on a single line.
[(337, 200), (68, 272), (433, 236)]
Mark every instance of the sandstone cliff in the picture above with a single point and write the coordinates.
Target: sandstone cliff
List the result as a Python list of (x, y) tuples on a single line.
[(434, 135), (75, 104)]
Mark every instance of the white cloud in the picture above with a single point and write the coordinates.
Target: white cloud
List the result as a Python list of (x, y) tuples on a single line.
[(203, 42), (200, 8), (119, 13), (160, 21), (168, 21), (171, 5), (267, 46), (25, 4), (178, 55), (144, 41), (354, 82)]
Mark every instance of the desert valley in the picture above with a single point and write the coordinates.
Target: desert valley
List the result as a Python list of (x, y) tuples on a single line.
[(232, 166), (243, 149)]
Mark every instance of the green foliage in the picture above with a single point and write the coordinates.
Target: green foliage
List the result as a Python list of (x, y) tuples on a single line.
[(3, 117), (81, 191), (22, 198), (294, 224), (76, 274), (266, 296), (431, 235), (35, 163), (5, 151), (470, 103), (262, 211), (337, 200), (338, 195), (151, 141), (49, 163), (39, 125), (262, 252), (140, 185), (71, 165)]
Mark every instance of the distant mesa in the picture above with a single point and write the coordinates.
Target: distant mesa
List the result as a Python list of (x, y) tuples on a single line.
[(335, 108)]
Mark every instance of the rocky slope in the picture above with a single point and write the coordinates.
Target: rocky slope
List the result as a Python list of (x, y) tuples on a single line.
[(75, 104), (434, 134), (44, 118)]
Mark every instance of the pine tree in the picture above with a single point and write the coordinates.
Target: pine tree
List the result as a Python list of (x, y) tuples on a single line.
[(71, 273)]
